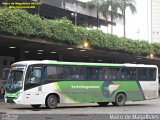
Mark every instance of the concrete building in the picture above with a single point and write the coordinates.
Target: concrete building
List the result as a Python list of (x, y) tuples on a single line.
[(145, 24), (20, 48), (155, 21), (76, 11)]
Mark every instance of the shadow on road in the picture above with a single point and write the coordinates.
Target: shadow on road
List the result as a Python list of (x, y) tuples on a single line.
[(77, 106)]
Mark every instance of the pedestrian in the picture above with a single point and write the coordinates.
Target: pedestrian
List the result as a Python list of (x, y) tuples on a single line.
[(2, 92)]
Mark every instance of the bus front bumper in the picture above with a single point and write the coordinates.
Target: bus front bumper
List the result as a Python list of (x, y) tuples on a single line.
[(12, 100), (9, 100)]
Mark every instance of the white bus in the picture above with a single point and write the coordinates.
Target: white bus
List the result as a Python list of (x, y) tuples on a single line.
[(48, 83)]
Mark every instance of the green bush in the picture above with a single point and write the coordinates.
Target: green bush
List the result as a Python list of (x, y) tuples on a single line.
[(19, 22), (156, 48), (16, 22)]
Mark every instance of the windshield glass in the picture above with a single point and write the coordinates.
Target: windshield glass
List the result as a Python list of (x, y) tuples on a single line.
[(15, 80)]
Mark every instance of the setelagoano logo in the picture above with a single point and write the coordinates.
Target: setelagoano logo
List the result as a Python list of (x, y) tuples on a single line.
[(83, 87)]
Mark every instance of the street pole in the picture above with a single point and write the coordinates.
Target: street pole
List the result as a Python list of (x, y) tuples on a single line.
[(97, 7), (75, 14), (111, 17), (38, 8), (151, 22), (75, 17)]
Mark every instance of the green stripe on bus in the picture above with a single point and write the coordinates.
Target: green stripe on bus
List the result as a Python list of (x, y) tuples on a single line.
[(84, 64), (100, 91)]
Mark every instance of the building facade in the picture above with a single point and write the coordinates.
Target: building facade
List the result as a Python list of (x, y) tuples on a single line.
[(155, 21)]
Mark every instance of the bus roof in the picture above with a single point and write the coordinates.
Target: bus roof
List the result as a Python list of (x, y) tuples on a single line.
[(80, 63)]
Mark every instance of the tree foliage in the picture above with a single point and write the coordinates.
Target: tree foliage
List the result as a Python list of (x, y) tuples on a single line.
[(16, 22)]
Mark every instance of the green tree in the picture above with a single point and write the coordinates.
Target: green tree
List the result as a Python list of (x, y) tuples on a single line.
[(111, 7), (123, 5), (96, 4), (106, 7)]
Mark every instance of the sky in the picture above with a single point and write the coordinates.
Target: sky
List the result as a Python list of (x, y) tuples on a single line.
[(137, 25)]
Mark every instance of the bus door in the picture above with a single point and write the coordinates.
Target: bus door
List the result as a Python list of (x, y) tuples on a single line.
[(33, 93)]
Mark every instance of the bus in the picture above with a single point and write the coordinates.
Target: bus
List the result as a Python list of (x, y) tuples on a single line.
[(50, 83)]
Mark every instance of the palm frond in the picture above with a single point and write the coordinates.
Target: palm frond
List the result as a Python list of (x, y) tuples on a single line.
[(91, 4), (131, 7)]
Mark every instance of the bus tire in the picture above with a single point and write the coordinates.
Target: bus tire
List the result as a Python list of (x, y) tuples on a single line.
[(36, 106), (103, 103), (51, 101), (120, 99)]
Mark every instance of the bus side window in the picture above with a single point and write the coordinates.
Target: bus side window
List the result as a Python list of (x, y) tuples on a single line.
[(93, 73), (111, 73), (36, 75), (88, 73), (53, 73), (142, 74), (60, 72), (128, 73), (106, 74), (68, 73), (81, 73), (33, 75), (72, 73), (124, 73), (152, 74), (99, 74), (132, 74), (75, 73), (45, 73)]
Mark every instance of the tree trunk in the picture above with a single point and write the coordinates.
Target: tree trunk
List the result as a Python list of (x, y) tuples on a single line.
[(111, 18), (124, 22), (97, 19), (97, 7)]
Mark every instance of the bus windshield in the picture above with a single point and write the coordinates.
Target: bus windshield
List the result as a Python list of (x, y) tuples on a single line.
[(15, 80)]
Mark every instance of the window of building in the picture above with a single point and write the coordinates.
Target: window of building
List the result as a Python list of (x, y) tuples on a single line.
[(5, 62)]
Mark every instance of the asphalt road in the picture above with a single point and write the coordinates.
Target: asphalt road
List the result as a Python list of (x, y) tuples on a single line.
[(90, 111)]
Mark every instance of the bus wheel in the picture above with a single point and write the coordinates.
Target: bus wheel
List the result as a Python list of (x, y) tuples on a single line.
[(51, 101), (103, 103), (36, 106), (120, 99)]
